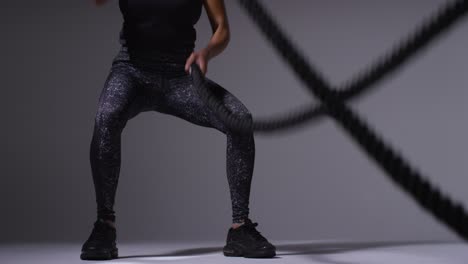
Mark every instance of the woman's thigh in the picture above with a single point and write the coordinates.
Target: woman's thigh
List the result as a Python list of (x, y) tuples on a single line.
[(184, 102), (121, 97)]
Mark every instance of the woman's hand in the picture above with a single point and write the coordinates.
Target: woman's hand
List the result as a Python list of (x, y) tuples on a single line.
[(100, 2), (201, 58)]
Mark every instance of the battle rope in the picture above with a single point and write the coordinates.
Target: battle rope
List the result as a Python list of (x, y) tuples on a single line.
[(399, 171), (415, 43)]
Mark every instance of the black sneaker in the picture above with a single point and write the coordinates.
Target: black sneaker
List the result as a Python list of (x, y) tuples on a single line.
[(101, 243), (246, 241)]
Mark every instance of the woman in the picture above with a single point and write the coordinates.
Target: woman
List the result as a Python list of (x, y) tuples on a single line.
[(151, 73)]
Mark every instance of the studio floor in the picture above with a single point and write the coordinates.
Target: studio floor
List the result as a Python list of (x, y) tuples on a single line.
[(297, 252)]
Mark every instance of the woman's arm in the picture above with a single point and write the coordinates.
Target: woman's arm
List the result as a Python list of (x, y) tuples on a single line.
[(219, 24), (217, 16)]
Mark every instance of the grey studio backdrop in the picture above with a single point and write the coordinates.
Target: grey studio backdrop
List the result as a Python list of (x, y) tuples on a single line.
[(310, 183)]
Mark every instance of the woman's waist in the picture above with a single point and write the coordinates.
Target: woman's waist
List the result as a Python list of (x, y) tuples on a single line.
[(154, 59)]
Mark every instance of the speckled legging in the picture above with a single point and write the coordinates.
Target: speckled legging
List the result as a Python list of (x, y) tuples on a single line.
[(162, 85)]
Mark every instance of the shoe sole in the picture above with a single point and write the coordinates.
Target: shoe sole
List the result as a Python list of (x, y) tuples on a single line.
[(237, 251), (99, 254)]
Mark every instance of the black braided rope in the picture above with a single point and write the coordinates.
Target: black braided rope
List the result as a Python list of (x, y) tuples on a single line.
[(451, 213), (414, 44)]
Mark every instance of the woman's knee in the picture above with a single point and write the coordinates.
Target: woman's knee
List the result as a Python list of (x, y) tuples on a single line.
[(238, 109), (244, 114), (233, 105), (230, 101), (111, 117), (240, 113)]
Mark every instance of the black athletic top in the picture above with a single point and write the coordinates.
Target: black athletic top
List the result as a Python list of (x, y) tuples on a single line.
[(159, 25)]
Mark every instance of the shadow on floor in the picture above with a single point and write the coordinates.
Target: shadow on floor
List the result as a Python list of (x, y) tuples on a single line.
[(311, 248), (180, 253)]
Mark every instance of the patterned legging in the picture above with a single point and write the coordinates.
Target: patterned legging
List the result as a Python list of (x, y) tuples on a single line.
[(134, 86)]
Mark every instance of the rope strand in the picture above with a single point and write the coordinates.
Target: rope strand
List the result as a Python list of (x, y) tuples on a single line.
[(398, 170)]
